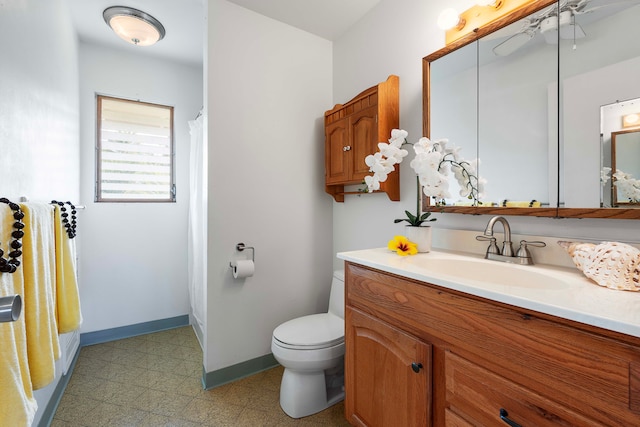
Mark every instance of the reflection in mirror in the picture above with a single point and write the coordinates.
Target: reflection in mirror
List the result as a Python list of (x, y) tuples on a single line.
[(454, 107), (600, 67), (517, 104), (497, 98), (615, 119), (598, 61), (625, 167)]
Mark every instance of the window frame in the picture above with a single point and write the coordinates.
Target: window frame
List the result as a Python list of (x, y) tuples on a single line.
[(98, 148)]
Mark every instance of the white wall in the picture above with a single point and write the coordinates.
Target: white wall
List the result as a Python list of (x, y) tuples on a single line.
[(392, 39), (268, 87), (133, 267), (38, 102)]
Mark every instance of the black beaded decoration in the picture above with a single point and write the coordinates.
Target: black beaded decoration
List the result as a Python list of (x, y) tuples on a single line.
[(10, 264), (70, 226)]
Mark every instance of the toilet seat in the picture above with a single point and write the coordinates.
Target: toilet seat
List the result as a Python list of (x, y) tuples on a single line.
[(311, 332)]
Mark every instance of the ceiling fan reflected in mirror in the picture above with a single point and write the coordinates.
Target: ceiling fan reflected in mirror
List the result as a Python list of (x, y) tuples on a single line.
[(554, 23)]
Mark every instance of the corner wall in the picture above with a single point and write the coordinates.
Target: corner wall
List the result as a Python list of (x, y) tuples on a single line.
[(269, 85), (38, 102)]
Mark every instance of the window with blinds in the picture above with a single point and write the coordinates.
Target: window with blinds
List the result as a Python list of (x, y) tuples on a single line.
[(134, 152)]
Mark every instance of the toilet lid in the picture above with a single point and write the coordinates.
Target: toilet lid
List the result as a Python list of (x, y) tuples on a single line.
[(313, 331)]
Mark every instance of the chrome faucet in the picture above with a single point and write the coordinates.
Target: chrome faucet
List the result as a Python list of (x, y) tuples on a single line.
[(523, 256), (507, 250)]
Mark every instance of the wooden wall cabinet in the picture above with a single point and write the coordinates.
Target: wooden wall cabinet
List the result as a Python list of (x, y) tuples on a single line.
[(482, 360), (352, 132)]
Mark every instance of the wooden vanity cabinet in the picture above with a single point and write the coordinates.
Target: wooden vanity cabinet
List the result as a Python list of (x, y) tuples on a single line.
[(390, 373), (482, 360), (353, 131)]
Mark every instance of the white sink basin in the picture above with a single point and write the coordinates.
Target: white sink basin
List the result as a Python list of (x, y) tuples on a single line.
[(494, 272)]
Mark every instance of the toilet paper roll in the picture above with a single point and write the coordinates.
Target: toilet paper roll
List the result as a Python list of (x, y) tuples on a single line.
[(242, 268)]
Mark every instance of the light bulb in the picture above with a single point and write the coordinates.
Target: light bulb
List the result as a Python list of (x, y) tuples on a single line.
[(449, 18), (491, 3), (631, 118)]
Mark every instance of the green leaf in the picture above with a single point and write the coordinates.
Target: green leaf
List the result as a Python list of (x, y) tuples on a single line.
[(411, 217)]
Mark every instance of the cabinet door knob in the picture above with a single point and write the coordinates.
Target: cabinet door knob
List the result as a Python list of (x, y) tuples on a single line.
[(504, 416), (416, 367)]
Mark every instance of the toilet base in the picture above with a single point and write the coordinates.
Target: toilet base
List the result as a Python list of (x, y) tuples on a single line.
[(306, 393)]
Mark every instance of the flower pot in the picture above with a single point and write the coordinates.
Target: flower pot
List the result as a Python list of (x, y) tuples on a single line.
[(421, 236)]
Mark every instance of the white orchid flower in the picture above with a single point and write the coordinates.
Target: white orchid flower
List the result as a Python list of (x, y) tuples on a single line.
[(398, 137), (621, 176), (373, 184), (377, 164), (423, 145), (380, 176), (392, 153)]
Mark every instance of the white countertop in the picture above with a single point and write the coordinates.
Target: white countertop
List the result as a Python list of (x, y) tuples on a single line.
[(558, 291)]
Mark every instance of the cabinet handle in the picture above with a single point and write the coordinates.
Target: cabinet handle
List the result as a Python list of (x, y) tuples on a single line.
[(346, 148), (504, 416), (416, 367)]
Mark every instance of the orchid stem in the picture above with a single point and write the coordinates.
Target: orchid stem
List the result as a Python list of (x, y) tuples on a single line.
[(418, 196)]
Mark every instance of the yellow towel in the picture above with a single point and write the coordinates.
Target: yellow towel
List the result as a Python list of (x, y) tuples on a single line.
[(38, 264), (17, 404), (67, 296)]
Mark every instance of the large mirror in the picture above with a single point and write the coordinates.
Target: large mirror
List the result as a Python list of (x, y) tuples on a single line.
[(541, 145)]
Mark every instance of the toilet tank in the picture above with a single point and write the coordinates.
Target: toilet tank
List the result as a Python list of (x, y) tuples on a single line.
[(336, 298)]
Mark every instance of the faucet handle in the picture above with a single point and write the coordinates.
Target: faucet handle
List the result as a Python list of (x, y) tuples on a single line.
[(493, 247), (523, 252)]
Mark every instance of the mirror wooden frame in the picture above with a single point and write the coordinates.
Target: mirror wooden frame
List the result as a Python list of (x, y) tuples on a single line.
[(555, 212), (614, 166)]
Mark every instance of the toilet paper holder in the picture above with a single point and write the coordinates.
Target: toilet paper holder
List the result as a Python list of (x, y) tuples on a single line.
[(241, 247)]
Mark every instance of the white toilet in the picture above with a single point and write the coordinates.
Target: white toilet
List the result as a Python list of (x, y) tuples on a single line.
[(311, 350)]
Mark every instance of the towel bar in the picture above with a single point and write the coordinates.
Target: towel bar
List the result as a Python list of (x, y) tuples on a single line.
[(10, 308)]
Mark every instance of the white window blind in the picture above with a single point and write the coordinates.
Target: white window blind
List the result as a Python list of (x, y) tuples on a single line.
[(135, 151)]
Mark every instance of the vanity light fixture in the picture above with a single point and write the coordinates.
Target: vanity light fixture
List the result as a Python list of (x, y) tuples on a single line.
[(483, 13), (133, 26), (631, 120)]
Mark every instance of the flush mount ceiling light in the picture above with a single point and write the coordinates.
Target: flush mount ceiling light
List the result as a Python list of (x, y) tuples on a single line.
[(134, 26)]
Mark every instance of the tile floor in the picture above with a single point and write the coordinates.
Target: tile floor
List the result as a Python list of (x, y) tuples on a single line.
[(155, 380)]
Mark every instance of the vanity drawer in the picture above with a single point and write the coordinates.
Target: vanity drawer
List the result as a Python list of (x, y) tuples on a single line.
[(586, 370), (477, 396)]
